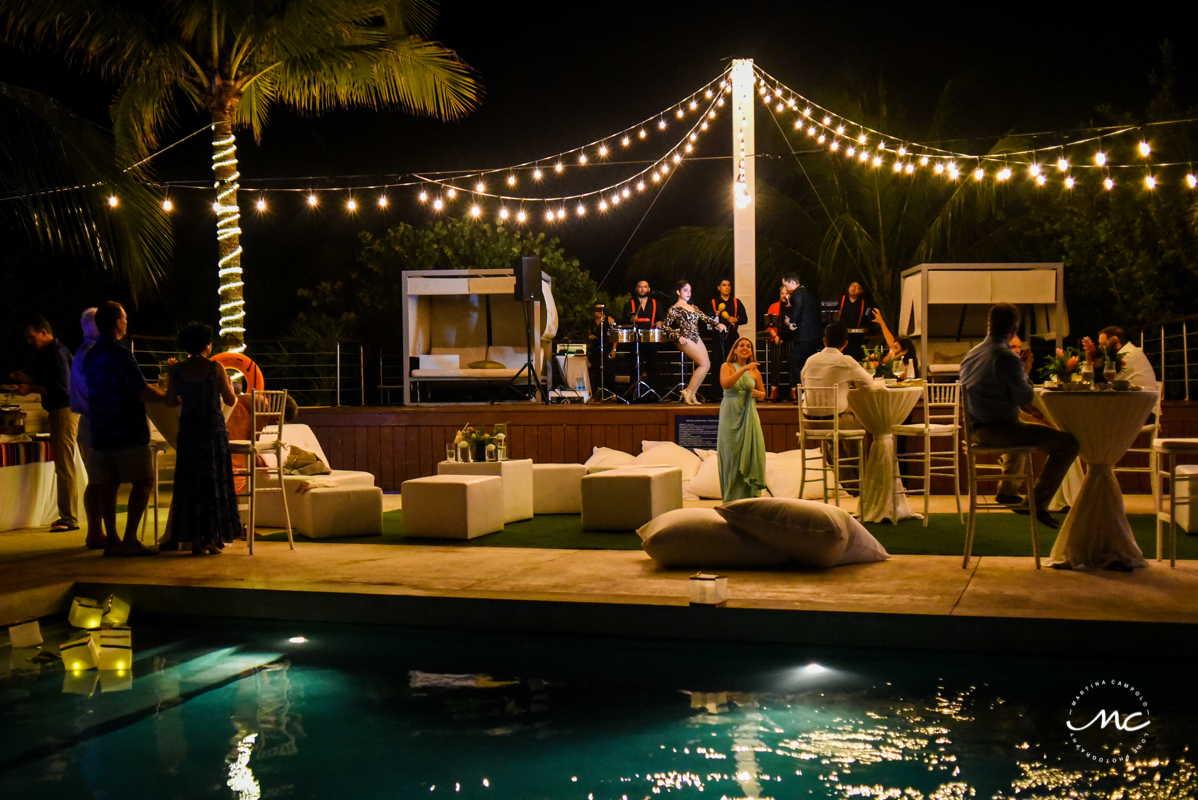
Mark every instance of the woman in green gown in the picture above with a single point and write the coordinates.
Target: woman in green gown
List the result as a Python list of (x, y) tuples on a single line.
[(741, 445)]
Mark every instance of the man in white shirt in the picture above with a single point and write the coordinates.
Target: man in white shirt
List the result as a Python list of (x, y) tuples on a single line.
[(1137, 370), (831, 367)]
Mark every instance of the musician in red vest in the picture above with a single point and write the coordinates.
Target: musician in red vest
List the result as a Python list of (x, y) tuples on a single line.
[(854, 314), (643, 312), (730, 311)]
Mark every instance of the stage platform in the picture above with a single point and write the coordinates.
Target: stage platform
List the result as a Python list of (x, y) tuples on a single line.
[(397, 443)]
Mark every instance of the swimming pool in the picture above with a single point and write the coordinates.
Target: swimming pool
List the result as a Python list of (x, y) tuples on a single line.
[(236, 710)]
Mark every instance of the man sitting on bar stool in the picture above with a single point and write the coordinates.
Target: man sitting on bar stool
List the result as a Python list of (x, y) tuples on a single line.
[(997, 387)]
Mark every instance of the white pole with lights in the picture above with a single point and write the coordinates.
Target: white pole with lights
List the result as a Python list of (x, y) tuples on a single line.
[(744, 188)]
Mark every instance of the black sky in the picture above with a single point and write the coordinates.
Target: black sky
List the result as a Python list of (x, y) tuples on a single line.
[(560, 75)]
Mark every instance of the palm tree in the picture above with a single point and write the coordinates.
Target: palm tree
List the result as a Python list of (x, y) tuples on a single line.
[(235, 60), (57, 173)]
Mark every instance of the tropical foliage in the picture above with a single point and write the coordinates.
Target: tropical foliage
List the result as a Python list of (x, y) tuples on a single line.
[(236, 60), (367, 298), (57, 172)]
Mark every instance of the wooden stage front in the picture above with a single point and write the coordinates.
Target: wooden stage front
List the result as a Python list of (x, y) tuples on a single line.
[(395, 443)]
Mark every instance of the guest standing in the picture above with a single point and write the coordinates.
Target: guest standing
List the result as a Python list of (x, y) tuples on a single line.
[(49, 376), (78, 386), (204, 509), (800, 325), (682, 326), (741, 444), (855, 315), (117, 394)]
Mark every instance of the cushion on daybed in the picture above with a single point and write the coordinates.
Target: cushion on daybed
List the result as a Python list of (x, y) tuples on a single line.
[(699, 538), (608, 458), (810, 533)]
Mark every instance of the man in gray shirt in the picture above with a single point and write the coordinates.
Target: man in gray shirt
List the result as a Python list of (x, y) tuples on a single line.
[(997, 387)]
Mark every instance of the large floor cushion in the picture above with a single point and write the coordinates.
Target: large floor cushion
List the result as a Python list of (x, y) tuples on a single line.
[(1187, 489), (331, 512), (699, 538), (624, 499), (517, 482), (557, 488), (811, 534), (452, 506)]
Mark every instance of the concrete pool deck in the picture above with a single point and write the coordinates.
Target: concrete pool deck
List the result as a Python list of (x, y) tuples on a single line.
[(997, 605)]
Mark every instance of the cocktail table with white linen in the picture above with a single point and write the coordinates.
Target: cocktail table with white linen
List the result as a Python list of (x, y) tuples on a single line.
[(452, 506), (625, 499), (517, 482), (881, 490), (1096, 533)]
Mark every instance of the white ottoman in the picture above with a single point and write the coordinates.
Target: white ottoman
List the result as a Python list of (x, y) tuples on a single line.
[(625, 499), (452, 506), (330, 512), (557, 488), (517, 482)]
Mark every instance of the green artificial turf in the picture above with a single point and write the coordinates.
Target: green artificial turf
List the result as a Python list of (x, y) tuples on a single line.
[(997, 534)]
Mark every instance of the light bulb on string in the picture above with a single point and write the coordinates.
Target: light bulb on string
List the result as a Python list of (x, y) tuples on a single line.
[(167, 205), (923, 161), (863, 157), (1192, 181), (665, 168), (625, 141), (1004, 173), (452, 193), (480, 187), (503, 213), (582, 158), (939, 168), (549, 216), (640, 186), (811, 131), (840, 130), (852, 151), (558, 167), (561, 213), (703, 126), (615, 199), (656, 177), (661, 123), (1033, 169), (909, 168), (261, 204), (581, 210), (1069, 182), (351, 204), (112, 201), (979, 173), (1100, 158), (1108, 184), (807, 112), (1149, 182), (1041, 180), (602, 151), (603, 205), (383, 201), (627, 192), (521, 216), (693, 105), (536, 174), (827, 120), (898, 166), (438, 204), (820, 138), (312, 201), (877, 161), (1062, 164), (511, 180), (642, 133), (689, 147), (216, 206), (475, 211), (423, 198), (1145, 149)]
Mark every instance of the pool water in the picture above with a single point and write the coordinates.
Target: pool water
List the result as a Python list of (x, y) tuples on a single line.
[(236, 710)]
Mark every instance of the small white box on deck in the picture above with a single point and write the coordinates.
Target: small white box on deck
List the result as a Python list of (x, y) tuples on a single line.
[(708, 589)]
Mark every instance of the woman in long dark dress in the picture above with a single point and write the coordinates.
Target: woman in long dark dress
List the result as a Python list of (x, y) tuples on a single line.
[(204, 507)]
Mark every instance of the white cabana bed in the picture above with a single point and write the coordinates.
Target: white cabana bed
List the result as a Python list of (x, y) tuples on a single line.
[(944, 306), (445, 327)]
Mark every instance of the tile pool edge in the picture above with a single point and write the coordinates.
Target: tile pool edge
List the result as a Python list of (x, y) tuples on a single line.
[(931, 632)]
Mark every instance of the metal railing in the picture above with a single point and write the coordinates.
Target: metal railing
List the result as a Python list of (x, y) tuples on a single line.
[(314, 377), (1174, 356)]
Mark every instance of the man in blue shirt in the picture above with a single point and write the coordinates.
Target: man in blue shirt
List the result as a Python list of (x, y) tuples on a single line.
[(49, 376), (120, 434), (997, 387)]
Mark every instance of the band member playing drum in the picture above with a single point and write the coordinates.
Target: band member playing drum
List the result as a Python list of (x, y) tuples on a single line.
[(730, 311), (682, 326), (642, 310)]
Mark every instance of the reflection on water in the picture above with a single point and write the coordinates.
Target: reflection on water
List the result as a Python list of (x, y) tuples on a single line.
[(602, 723)]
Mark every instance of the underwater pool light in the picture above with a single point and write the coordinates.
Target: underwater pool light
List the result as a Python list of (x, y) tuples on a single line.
[(297, 640)]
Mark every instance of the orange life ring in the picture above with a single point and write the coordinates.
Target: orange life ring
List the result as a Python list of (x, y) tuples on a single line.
[(242, 363)]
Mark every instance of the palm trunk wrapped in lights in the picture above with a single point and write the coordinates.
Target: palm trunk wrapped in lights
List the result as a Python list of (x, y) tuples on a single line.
[(228, 235)]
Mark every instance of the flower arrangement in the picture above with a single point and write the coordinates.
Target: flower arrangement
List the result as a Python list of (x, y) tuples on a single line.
[(478, 439), (1064, 366), (873, 363), (1107, 357)]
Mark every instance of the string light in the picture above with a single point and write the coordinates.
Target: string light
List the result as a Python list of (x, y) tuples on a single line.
[(1069, 182), (438, 204), (1192, 180), (312, 199), (1145, 149), (112, 201), (382, 201), (1150, 182), (1100, 158), (261, 204), (1108, 184), (167, 205)]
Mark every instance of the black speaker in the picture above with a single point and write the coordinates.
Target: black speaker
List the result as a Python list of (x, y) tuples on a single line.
[(528, 278)]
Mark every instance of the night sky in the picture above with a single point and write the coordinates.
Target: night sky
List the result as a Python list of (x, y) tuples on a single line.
[(558, 76)]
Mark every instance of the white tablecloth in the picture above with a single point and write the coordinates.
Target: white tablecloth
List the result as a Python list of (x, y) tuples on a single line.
[(1072, 483), (881, 489), (1095, 533), (29, 494)]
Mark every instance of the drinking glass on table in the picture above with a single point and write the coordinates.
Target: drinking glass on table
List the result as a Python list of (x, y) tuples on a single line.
[(451, 452)]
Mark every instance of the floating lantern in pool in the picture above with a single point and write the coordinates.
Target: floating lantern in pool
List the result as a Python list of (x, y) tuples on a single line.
[(79, 654), (708, 589), (27, 634), (115, 649), (118, 611), (80, 682), (85, 613)]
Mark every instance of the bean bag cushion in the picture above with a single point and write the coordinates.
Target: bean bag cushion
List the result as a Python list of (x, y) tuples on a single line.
[(700, 538), (810, 533)]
